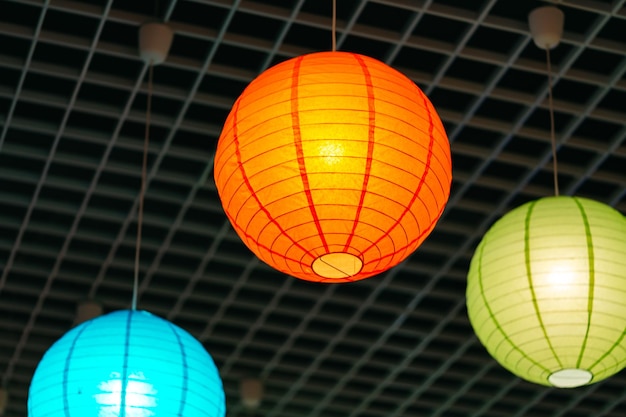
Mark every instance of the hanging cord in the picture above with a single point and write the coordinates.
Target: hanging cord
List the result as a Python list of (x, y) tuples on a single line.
[(142, 191), (334, 26), (552, 134)]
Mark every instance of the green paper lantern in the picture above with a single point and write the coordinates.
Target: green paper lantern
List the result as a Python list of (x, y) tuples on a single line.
[(546, 291)]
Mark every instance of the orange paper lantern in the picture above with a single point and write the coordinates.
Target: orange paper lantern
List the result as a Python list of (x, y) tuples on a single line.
[(333, 167)]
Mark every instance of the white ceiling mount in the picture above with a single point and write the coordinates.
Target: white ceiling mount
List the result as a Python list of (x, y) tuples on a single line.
[(546, 26), (87, 310), (155, 39), (251, 391)]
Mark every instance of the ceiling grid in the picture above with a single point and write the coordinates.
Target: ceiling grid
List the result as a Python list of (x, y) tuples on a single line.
[(73, 94)]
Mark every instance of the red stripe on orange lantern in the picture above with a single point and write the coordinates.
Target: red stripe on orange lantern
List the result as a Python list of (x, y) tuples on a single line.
[(333, 167), (370, 149), (297, 140), (247, 181)]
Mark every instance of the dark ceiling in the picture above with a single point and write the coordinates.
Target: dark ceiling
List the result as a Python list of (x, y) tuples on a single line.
[(72, 112)]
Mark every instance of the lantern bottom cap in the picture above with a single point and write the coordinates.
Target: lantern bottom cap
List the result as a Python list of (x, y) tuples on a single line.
[(337, 265), (570, 378)]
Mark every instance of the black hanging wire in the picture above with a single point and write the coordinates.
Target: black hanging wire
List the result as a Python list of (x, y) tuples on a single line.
[(142, 190), (334, 26), (552, 129)]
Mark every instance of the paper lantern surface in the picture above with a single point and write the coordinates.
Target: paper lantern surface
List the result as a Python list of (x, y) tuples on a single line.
[(546, 291), (126, 364), (333, 167)]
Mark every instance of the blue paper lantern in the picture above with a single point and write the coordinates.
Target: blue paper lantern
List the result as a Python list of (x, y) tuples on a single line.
[(127, 363)]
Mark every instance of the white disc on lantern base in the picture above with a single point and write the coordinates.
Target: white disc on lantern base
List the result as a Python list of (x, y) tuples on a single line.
[(570, 378), (155, 39), (546, 26), (337, 265)]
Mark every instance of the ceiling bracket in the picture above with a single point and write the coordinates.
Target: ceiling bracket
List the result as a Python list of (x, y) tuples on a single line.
[(155, 39), (546, 26)]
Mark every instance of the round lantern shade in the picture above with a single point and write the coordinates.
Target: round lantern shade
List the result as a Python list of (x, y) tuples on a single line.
[(546, 291), (126, 363), (333, 167)]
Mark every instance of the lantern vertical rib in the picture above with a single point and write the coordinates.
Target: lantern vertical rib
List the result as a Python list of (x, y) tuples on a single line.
[(184, 371), (66, 371), (124, 368), (246, 179), (371, 117), (531, 285), (297, 140), (592, 281), (617, 343), (417, 190), (493, 316)]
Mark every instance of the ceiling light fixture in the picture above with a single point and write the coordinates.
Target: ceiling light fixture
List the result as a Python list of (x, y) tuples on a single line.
[(251, 392), (547, 283), (129, 362), (87, 310), (332, 166)]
